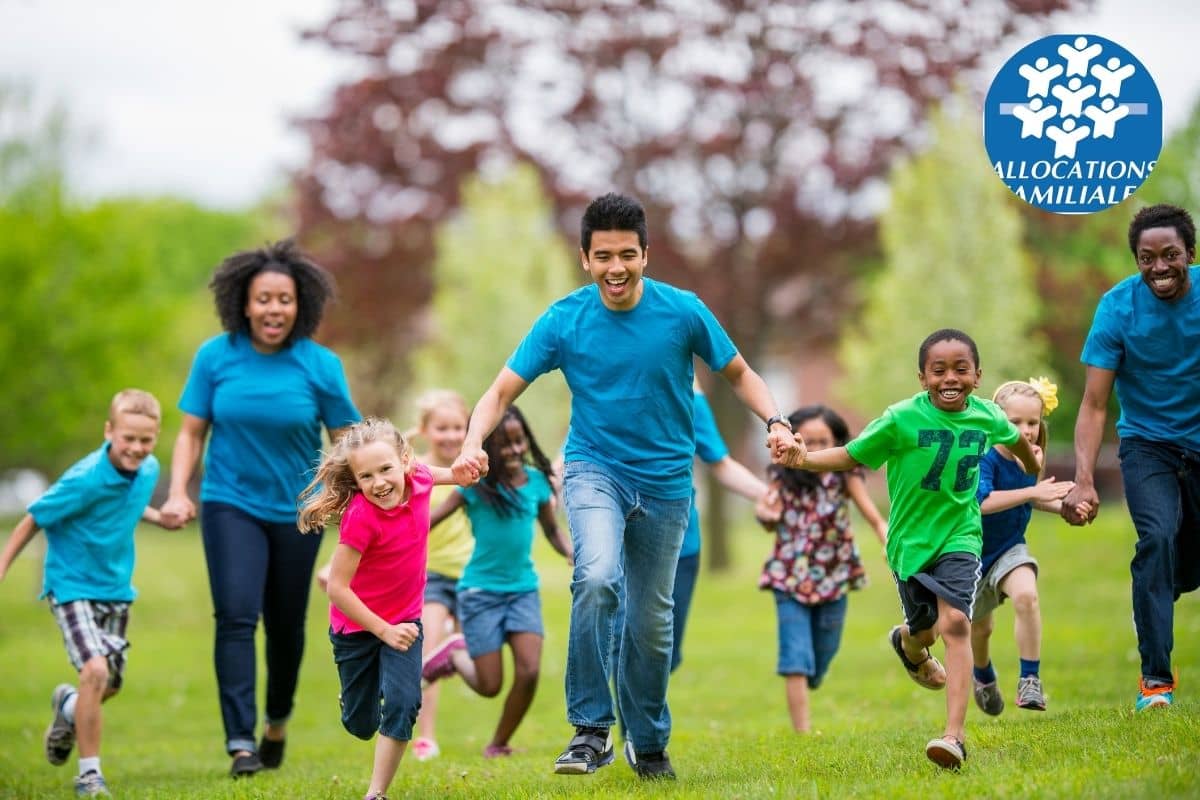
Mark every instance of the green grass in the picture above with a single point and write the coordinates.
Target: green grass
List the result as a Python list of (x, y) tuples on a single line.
[(731, 736)]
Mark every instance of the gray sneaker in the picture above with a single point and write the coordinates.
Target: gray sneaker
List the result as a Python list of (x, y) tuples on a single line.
[(91, 784), (988, 698), (1030, 694), (60, 736)]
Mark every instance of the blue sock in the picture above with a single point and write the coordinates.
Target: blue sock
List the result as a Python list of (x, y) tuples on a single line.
[(986, 675), (1030, 668)]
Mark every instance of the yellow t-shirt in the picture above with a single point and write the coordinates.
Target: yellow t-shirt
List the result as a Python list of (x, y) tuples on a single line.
[(451, 542)]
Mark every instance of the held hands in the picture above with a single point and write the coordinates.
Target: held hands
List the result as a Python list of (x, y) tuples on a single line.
[(1080, 505), (769, 508), (176, 512), (399, 636), (787, 448), (1050, 489), (470, 466)]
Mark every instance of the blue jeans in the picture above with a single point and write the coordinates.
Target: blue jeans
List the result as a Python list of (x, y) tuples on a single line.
[(1162, 491), (809, 636), (256, 568), (622, 538), (381, 686)]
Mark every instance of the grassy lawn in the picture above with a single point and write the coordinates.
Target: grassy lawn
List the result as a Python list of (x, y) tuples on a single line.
[(731, 736)]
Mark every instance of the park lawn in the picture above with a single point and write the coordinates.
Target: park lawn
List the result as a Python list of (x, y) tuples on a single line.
[(731, 735)]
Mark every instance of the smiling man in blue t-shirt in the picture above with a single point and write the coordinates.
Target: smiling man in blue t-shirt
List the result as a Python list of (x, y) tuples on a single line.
[(1144, 341), (625, 345)]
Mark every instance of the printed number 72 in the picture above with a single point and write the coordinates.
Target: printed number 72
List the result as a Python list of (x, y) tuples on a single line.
[(944, 440)]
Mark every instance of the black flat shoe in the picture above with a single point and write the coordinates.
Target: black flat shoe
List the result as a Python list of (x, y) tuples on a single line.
[(245, 766), (270, 752)]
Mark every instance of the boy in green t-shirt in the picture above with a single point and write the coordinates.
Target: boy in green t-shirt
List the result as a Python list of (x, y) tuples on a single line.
[(932, 444)]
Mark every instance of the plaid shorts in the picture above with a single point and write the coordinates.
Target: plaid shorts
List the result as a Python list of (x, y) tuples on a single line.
[(91, 628)]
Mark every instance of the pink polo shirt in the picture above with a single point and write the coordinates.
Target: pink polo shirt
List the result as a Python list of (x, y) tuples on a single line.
[(390, 579)]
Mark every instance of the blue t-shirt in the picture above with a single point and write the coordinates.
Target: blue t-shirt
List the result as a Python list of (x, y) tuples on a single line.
[(1003, 529), (1154, 348), (630, 375), (710, 447), (503, 557), (266, 412), (89, 516)]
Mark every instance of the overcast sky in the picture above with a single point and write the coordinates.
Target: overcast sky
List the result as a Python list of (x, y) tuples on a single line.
[(193, 98)]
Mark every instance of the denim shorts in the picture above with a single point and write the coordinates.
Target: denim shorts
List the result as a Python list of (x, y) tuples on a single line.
[(442, 590), (809, 636), (988, 596), (953, 577), (381, 686), (488, 617)]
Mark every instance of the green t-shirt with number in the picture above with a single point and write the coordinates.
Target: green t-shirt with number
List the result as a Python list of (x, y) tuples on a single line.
[(932, 459)]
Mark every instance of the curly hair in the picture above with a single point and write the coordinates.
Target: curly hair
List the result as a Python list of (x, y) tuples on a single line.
[(945, 335), (230, 286), (333, 486), (496, 487), (1163, 216), (612, 212)]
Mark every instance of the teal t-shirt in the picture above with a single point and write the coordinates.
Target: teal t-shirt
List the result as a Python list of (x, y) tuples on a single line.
[(1154, 348), (630, 375), (710, 448), (266, 411), (89, 516), (502, 560), (932, 459)]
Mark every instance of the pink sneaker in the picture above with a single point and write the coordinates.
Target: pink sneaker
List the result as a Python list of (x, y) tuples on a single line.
[(440, 664), (497, 751), (424, 749)]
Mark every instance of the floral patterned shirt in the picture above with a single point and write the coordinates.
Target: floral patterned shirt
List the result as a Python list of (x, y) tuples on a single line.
[(815, 558)]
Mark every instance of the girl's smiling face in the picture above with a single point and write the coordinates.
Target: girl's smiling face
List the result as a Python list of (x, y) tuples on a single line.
[(380, 473), (445, 428), (1026, 413), (950, 374), (514, 447)]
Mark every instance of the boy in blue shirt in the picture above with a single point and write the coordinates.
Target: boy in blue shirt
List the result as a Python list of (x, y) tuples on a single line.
[(625, 345), (89, 516)]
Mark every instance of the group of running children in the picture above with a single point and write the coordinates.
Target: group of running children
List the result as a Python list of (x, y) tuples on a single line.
[(405, 553)]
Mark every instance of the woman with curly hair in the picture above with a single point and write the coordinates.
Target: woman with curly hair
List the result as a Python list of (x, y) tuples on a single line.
[(263, 388)]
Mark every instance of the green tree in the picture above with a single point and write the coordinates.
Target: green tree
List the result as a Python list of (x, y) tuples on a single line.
[(499, 263), (952, 244)]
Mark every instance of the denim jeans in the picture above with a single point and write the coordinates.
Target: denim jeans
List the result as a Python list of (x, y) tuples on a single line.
[(1162, 491), (256, 568), (622, 538), (381, 686)]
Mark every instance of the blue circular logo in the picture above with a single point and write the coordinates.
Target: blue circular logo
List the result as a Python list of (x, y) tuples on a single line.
[(1073, 123)]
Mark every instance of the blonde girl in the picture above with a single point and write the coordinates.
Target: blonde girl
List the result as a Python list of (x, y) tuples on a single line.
[(442, 417), (1007, 497), (370, 480)]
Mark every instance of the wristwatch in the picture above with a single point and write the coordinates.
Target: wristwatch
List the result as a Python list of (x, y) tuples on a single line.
[(778, 419)]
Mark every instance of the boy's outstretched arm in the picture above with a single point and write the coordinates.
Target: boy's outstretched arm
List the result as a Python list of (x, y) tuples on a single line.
[(1029, 455), (24, 531), (833, 459)]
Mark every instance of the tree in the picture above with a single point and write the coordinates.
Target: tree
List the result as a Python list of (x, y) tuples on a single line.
[(952, 242), (756, 132)]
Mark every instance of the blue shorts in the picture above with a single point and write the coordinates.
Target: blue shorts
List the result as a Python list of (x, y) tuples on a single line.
[(488, 617), (369, 672), (442, 590), (809, 636)]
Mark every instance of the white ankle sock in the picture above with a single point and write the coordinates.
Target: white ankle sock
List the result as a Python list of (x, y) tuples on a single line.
[(87, 765), (68, 707)]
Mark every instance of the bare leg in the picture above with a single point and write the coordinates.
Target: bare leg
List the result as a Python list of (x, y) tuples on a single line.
[(93, 690), (388, 752), (914, 644), (1021, 586), (797, 699), (527, 657), (485, 674), (981, 633), (956, 633), (433, 622)]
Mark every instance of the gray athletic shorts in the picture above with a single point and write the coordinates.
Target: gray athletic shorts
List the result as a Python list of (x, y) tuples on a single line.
[(988, 596)]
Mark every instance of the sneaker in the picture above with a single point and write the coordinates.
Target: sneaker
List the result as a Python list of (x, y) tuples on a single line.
[(375, 796), (245, 766), (927, 672), (425, 749), (590, 749), (650, 766), (989, 699), (60, 736), (497, 751), (1030, 695), (947, 752), (91, 784), (1153, 696), (439, 664), (270, 752)]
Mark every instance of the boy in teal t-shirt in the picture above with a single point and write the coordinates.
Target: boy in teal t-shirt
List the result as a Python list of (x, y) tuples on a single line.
[(932, 444), (89, 515)]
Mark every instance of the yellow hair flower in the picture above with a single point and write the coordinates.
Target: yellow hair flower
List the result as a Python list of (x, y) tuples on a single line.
[(1048, 391)]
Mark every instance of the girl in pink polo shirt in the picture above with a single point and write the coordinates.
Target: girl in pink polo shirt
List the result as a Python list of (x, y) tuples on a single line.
[(376, 581)]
